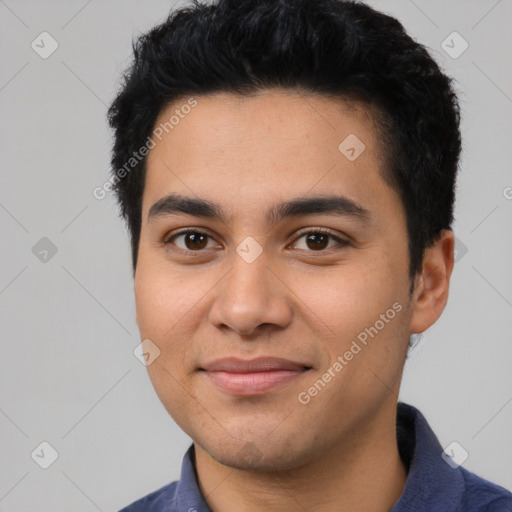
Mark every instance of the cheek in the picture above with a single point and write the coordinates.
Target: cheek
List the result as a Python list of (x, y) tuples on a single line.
[(164, 301), (167, 313), (343, 300), (358, 313), (170, 309)]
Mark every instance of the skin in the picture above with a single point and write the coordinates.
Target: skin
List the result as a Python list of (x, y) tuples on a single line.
[(295, 301)]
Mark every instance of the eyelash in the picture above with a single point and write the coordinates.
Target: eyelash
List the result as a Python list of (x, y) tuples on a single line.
[(341, 242)]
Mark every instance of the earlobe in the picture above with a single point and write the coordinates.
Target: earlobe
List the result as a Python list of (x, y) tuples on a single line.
[(432, 285)]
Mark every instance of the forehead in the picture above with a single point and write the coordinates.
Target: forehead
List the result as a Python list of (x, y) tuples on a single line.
[(224, 120), (272, 145)]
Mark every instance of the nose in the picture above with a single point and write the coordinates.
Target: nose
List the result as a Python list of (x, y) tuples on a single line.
[(251, 299)]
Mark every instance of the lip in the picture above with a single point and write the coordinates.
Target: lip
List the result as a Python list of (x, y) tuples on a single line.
[(252, 377)]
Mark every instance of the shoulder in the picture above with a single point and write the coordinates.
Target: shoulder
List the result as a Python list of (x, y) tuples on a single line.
[(157, 501), (480, 495)]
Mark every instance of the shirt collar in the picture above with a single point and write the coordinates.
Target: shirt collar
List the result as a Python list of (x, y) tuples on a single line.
[(188, 496), (431, 483)]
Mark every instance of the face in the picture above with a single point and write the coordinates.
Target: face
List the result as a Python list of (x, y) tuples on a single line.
[(321, 283)]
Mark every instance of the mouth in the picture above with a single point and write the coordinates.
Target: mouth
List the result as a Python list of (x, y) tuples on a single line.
[(254, 377)]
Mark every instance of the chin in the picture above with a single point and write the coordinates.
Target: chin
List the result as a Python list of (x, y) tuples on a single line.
[(256, 455)]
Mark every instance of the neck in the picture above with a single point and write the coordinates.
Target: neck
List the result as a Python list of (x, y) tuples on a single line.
[(364, 472)]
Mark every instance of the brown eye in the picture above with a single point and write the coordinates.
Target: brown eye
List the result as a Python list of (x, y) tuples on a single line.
[(318, 240), (190, 240)]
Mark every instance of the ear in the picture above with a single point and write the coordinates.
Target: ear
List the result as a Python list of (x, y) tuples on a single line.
[(432, 284)]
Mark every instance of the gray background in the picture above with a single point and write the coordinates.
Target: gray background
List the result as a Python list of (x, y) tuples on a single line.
[(68, 374)]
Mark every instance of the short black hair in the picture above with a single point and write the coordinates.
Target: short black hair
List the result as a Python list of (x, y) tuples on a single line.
[(339, 48)]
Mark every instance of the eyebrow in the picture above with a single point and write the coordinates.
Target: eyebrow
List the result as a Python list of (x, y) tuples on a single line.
[(175, 204)]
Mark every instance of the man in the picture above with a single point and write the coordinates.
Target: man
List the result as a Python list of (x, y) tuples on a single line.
[(287, 172)]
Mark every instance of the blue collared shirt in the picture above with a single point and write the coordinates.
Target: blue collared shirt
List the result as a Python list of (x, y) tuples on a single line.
[(432, 484)]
